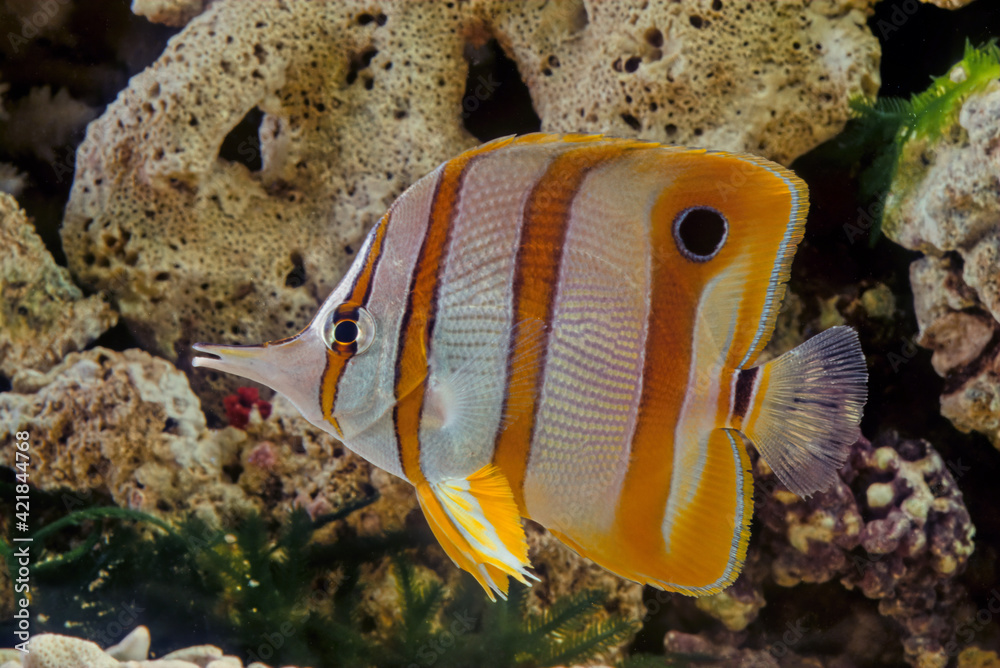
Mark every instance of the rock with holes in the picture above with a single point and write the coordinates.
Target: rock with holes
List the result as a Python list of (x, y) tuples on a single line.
[(666, 70), (126, 424), (49, 650), (123, 424), (168, 12), (352, 107), (945, 202), (52, 650), (43, 315), (949, 4), (221, 196)]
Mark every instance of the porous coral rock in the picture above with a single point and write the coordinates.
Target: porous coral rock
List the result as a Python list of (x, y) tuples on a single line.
[(739, 604), (906, 553), (356, 106), (945, 202), (128, 425), (952, 321), (357, 102), (43, 315), (948, 4), (287, 462), (124, 424), (51, 650), (666, 70), (168, 12)]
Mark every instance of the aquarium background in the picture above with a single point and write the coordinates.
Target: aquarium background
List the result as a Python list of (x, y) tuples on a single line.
[(183, 171)]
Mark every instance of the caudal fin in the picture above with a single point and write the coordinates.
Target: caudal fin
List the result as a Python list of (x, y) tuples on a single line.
[(806, 409)]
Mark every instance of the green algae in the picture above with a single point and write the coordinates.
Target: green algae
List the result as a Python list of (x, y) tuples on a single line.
[(882, 129)]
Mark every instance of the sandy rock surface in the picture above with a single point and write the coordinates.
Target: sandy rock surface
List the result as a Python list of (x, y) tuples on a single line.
[(946, 204), (43, 314)]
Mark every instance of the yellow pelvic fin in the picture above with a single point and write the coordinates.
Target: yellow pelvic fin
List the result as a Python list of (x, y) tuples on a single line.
[(477, 523)]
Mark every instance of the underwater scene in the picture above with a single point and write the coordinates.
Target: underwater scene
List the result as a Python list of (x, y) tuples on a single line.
[(420, 333)]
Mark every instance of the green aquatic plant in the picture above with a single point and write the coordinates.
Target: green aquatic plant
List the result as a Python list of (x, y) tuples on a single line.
[(882, 128), (471, 631), (569, 632), (465, 629), (100, 571), (278, 595)]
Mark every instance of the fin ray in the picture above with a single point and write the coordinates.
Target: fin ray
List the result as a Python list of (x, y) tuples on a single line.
[(807, 409), (477, 523)]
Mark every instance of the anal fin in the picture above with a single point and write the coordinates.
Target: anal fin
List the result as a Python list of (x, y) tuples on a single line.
[(477, 523)]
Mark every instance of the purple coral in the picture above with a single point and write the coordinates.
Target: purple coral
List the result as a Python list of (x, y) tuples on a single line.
[(894, 526)]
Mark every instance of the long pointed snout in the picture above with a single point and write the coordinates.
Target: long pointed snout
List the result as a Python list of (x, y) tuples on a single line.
[(294, 367)]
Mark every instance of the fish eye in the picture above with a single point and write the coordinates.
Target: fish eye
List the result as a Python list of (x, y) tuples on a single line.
[(346, 332), (700, 232), (349, 330)]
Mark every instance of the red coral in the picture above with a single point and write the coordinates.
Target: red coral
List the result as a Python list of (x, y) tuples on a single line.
[(239, 405)]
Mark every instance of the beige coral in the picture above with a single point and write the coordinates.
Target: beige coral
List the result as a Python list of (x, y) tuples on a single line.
[(945, 202), (51, 650), (125, 424), (738, 605), (948, 4), (666, 70), (43, 315), (168, 12), (357, 102)]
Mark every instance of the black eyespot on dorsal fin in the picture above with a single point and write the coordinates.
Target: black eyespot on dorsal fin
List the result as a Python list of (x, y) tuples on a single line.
[(700, 232)]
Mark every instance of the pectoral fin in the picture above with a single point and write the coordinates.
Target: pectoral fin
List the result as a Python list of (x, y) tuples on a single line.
[(477, 523), (464, 397)]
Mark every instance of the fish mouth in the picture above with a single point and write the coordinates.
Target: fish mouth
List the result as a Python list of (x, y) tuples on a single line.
[(248, 362), (293, 367)]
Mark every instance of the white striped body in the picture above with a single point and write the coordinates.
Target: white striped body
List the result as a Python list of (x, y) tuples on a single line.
[(548, 326)]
